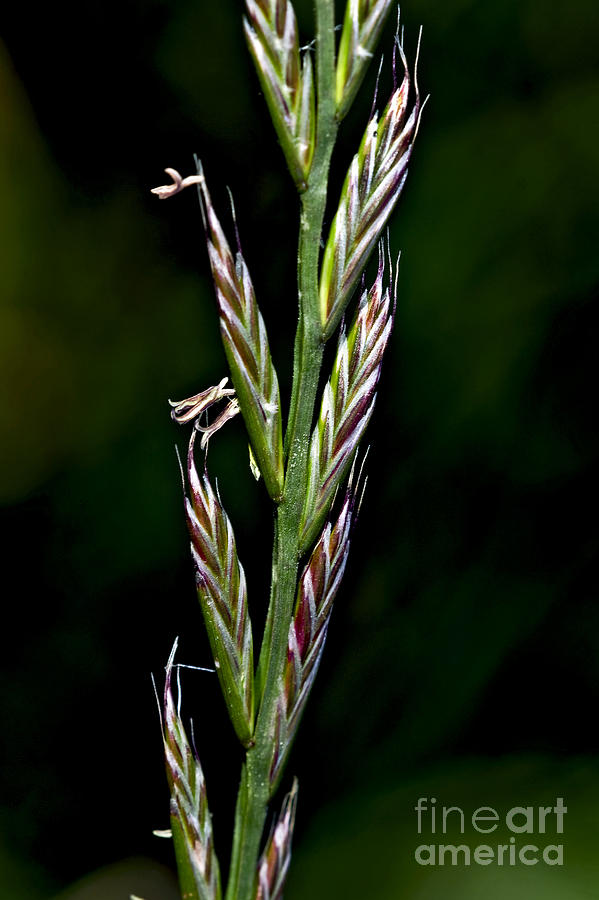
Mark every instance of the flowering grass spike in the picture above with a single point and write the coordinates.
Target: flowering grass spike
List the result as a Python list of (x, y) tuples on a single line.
[(307, 477)]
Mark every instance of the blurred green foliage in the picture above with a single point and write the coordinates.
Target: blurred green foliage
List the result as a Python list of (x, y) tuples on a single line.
[(463, 651)]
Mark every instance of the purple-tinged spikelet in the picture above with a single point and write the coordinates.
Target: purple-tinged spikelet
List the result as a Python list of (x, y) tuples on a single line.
[(372, 187), (347, 402), (221, 586), (318, 586), (362, 26), (274, 862), (246, 346), (191, 823), (287, 81)]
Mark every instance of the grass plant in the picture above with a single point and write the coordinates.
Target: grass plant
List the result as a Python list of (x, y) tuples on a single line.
[(305, 458)]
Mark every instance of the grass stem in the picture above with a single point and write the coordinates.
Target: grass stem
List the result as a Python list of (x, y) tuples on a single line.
[(255, 787)]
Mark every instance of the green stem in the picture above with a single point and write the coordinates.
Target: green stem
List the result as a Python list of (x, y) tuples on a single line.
[(255, 786)]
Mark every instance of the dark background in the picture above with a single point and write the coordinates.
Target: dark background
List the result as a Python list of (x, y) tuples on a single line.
[(463, 659)]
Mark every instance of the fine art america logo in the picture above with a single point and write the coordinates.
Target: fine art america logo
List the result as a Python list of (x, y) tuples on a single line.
[(520, 821)]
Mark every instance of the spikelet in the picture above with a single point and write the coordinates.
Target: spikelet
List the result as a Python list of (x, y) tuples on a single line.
[(274, 862), (318, 586), (362, 26), (220, 581), (191, 824), (372, 187), (347, 402), (288, 83), (246, 346)]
